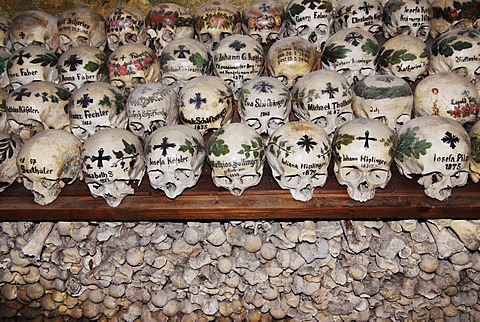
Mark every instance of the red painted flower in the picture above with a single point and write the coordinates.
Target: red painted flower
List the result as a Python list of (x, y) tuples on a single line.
[(453, 14), (146, 62), (169, 20), (456, 112), (467, 110), (111, 68), (435, 91), (477, 109), (122, 70), (137, 64)]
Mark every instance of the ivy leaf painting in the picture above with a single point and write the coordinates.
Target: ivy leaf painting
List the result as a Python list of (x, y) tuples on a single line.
[(255, 147), (338, 141), (333, 52), (217, 146), (129, 148), (445, 46), (200, 62), (391, 7), (118, 154), (191, 147), (393, 57), (295, 10), (46, 59), (92, 66), (7, 148), (63, 94), (276, 146), (370, 47), (425, 53), (327, 6), (409, 145)]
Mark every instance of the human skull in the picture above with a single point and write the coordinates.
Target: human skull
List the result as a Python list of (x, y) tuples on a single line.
[(184, 59), (216, 20), (205, 103), (385, 98), (312, 21), (457, 51), (4, 58), (4, 95), (362, 152), (351, 52), (113, 164), (166, 22), (323, 97), (264, 104), (366, 14), (125, 25), (32, 63), (9, 148), (151, 106), (290, 58), (96, 106), (404, 56), (238, 59), (452, 14), (4, 27), (33, 28), (81, 27), (474, 162), (131, 65), (436, 148), (264, 20), (407, 18), (299, 154), (37, 106), (449, 95), (80, 65), (174, 155), (236, 154), (47, 161)]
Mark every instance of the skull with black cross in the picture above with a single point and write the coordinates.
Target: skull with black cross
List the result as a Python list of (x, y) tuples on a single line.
[(453, 14), (407, 18), (9, 147), (299, 154), (362, 152), (438, 150), (125, 25), (113, 164), (366, 14), (175, 155), (264, 20)]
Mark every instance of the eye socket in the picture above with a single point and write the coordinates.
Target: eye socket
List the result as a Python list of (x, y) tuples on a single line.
[(303, 30), (156, 176), (168, 80), (131, 38), (459, 178), (82, 41), (225, 34), (292, 180), (462, 71), (282, 79), (253, 123), (183, 175), (275, 122), (381, 118), (351, 173), (27, 183), (168, 36), (404, 30), (367, 71), (206, 38), (322, 29), (317, 178), (95, 187), (135, 127), (402, 119), (321, 120), (423, 31), (47, 183), (225, 181), (377, 176), (343, 118)]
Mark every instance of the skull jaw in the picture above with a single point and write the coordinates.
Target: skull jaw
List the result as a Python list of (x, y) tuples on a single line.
[(46, 196), (113, 196), (361, 193), (302, 194)]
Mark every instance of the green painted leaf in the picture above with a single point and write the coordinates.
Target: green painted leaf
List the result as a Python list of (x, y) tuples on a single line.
[(338, 141), (409, 145), (92, 66), (333, 52), (370, 47)]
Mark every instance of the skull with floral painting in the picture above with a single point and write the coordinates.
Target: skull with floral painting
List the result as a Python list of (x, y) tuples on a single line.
[(174, 155), (151, 106), (366, 14), (37, 106), (449, 95), (404, 56), (236, 154), (474, 162), (453, 14), (31, 63), (290, 58), (299, 154), (205, 104), (238, 59), (125, 25), (166, 22), (113, 164), (9, 148), (312, 21), (131, 65), (407, 18), (264, 20), (216, 20), (362, 152), (351, 52), (457, 51), (264, 104), (385, 98), (81, 27), (47, 161), (437, 149), (184, 59), (323, 97), (96, 106)]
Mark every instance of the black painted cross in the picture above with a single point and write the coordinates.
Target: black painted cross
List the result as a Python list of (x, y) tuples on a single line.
[(100, 158), (85, 100), (22, 34), (197, 100), (19, 95), (181, 51), (164, 146), (21, 55), (366, 7), (330, 90), (367, 138)]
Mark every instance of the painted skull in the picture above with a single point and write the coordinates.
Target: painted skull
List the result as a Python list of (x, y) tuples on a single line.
[(323, 97), (312, 21), (236, 154), (151, 106), (216, 20), (184, 59), (264, 104), (175, 156), (205, 103), (47, 161), (290, 58), (131, 65), (33, 28), (407, 18), (113, 164), (437, 149), (9, 148), (449, 95), (362, 152), (385, 98), (452, 14), (166, 22), (4, 95), (238, 59), (96, 106), (32, 63), (81, 27), (474, 162), (37, 106), (264, 20), (457, 51), (404, 56), (125, 25), (351, 52), (4, 27), (4, 58), (366, 14)]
